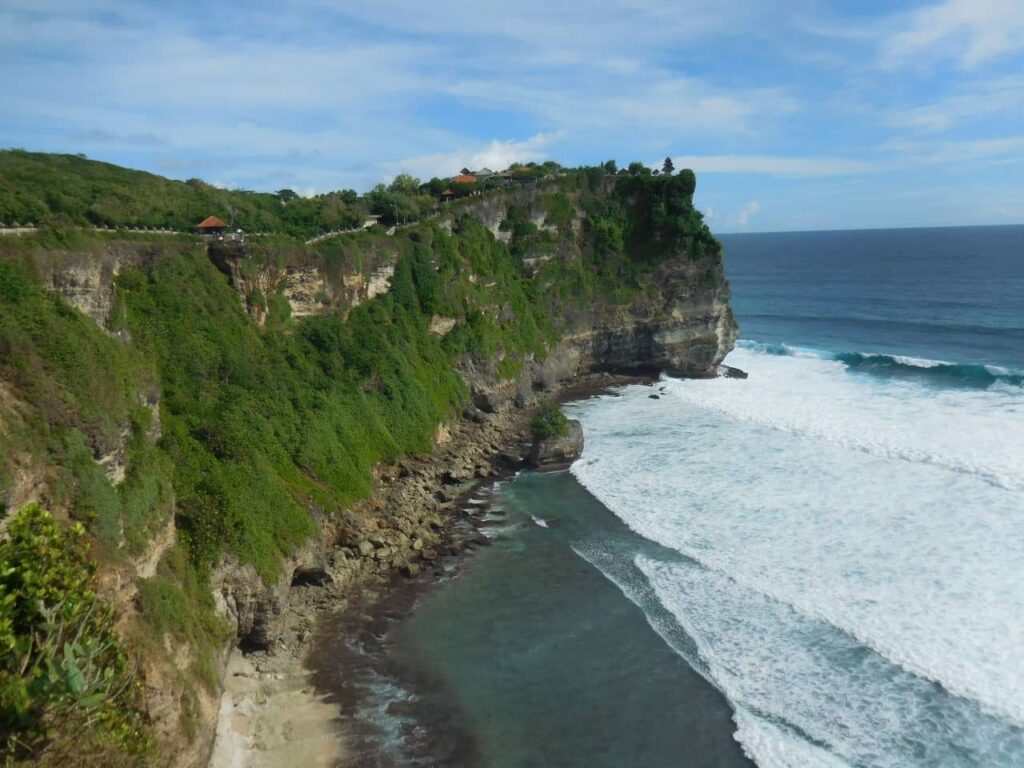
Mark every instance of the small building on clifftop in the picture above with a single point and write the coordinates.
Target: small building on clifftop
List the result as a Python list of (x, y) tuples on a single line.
[(211, 225)]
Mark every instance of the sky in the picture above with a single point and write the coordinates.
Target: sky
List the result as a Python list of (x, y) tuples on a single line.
[(795, 114)]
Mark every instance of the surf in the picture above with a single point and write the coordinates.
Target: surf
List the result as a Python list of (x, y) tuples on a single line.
[(940, 373), (873, 514)]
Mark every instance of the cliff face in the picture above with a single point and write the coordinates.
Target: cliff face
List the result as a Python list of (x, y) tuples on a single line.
[(316, 383), (677, 319), (682, 324), (312, 284)]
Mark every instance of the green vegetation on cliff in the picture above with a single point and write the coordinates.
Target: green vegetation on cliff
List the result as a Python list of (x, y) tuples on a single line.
[(549, 421), (77, 394), (244, 434), (67, 190), (72, 190), (261, 426)]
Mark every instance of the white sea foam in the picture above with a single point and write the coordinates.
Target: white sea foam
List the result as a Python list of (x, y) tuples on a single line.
[(975, 432), (771, 747), (829, 508), (820, 691), (540, 522)]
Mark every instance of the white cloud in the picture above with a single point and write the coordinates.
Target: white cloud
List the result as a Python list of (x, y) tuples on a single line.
[(775, 165), (317, 94), (257, 91), (497, 155), (746, 213), (971, 32), (545, 27), (1005, 149), (682, 103)]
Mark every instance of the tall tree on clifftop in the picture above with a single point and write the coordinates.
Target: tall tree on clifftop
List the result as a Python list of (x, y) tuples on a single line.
[(667, 167)]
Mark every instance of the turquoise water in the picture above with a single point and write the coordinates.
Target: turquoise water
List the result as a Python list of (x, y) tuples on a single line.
[(540, 661)]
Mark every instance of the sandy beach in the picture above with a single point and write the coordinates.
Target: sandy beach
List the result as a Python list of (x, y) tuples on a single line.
[(271, 716)]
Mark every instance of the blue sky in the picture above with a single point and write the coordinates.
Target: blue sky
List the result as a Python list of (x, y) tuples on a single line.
[(796, 114)]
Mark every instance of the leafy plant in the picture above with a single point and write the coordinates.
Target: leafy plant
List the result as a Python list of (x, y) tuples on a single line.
[(66, 687), (549, 422)]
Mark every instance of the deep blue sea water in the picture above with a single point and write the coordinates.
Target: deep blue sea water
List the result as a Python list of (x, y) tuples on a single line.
[(953, 293), (819, 566)]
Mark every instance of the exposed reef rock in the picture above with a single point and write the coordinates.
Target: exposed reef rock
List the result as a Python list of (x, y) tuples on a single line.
[(559, 451)]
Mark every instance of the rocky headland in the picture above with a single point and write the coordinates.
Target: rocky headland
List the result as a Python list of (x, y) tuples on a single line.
[(547, 292)]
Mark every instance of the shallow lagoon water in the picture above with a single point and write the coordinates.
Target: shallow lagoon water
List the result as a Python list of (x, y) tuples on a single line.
[(545, 662)]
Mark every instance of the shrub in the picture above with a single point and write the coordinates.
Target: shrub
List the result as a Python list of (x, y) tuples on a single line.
[(549, 421), (60, 662)]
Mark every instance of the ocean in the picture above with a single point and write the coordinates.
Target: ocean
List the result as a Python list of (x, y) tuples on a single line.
[(821, 565)]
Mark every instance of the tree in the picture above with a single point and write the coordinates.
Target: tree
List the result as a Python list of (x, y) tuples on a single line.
[(404, 184), (687, 182), (667, 167), (434, 187), (610, 167), (286, 194), (638, 169)]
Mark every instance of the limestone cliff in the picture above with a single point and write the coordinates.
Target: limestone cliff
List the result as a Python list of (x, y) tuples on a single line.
[(311, 283), (680, 324), (499, 298)]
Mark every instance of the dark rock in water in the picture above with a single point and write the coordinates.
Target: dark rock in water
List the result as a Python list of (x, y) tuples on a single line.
[(655, 397), (728, 372), (410, 570), (559, 450)]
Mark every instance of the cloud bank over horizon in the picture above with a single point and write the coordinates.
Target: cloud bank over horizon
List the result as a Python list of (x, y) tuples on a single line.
[(824, 115)]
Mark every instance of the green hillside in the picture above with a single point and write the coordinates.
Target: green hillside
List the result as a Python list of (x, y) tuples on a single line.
[(50, 189)]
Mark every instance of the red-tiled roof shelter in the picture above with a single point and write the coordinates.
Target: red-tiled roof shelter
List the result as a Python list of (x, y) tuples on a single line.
[(464, 178), (211, 225)]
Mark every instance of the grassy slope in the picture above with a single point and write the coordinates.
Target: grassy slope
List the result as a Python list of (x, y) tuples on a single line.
[(70, 189)]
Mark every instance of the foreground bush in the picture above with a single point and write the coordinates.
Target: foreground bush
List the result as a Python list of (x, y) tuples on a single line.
[(61, 668)]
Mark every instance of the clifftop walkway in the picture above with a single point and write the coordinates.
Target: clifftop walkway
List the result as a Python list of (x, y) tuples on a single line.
[(369, 222)]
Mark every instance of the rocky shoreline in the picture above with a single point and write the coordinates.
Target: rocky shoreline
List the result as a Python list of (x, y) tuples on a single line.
[(416, 521)]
